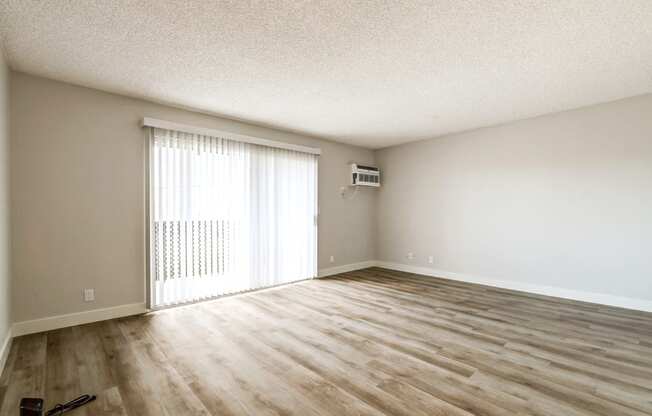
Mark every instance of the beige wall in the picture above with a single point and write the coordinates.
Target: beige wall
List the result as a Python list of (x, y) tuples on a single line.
[(78, 195), (5, 288), (563, 200)]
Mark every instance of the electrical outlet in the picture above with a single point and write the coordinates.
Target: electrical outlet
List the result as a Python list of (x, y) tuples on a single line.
[(89, 295), (332, 259), (431, 259), (410, 256)]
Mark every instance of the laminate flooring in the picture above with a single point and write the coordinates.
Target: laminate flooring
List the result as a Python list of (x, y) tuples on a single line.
[(371, 342)]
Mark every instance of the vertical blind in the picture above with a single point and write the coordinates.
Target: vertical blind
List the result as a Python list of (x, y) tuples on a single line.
[(227, 216)]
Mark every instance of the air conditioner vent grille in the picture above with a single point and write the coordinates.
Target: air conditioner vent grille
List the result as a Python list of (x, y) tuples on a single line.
[(365, 175)]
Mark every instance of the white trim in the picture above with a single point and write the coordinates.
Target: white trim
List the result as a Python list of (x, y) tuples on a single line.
[(149, 215), (315, 268), (346, 268), (599, 298), (4, 350), (186, 128), (78, 318)]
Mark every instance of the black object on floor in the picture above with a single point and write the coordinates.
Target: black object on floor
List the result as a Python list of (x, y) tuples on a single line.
[(34, 407), (31, 407)]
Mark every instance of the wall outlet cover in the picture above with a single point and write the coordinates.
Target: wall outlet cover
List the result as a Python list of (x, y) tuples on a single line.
[(89, 295)]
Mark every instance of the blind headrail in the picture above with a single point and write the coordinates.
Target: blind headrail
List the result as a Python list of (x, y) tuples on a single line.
[(186, 128)]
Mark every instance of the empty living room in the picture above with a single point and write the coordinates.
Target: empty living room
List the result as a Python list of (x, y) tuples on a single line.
[(325, 208)]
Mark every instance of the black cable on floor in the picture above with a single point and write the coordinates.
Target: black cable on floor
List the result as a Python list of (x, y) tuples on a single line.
[(73, 404)]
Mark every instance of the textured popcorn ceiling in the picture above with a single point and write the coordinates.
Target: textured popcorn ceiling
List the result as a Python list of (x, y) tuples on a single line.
[(372, 73)]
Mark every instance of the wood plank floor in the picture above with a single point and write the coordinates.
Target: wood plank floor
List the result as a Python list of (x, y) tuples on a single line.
[(371, 342)]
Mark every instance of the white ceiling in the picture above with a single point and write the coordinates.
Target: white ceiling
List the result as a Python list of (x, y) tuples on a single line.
[(371, 73)]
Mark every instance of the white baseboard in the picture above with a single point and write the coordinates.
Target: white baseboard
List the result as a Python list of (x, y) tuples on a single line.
[(78, 318), (4, 350), (599, 298), (346, 268)]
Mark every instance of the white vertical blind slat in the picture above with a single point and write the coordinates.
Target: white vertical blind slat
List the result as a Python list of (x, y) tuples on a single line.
[(228, 216)]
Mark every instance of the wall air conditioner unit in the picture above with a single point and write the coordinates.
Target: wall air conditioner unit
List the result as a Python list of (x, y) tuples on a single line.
[(364, 175)]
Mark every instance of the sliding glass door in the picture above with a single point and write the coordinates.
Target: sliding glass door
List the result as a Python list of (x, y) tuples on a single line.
[(227, 216)]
